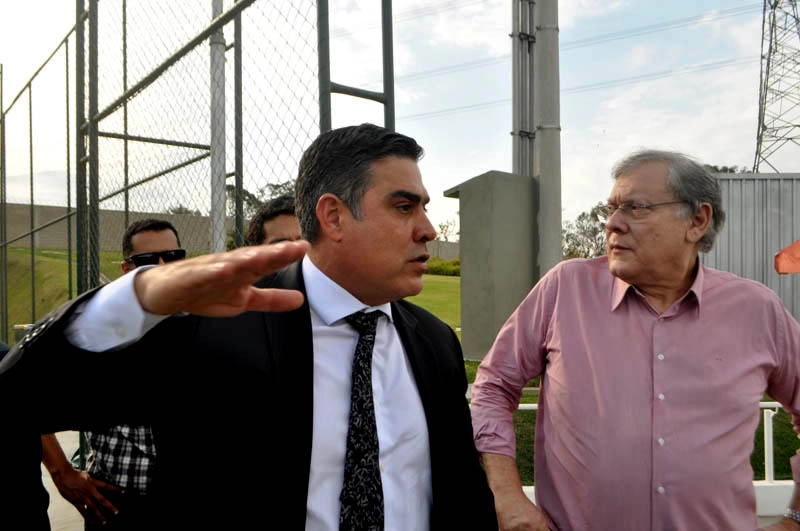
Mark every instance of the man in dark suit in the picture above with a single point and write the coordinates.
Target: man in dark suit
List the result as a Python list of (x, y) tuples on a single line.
[(300, 428)]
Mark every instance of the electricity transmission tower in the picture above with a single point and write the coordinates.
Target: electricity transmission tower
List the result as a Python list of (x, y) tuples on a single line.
[(779, 95)]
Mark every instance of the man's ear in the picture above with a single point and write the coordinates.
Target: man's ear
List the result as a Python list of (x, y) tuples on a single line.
[(701, 221), (330, 210)]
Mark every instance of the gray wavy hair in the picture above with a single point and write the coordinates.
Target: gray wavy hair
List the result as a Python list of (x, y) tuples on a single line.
[(688, 181)]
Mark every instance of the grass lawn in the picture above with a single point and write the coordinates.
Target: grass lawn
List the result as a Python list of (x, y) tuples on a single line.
[(442, 297), (51, 285)]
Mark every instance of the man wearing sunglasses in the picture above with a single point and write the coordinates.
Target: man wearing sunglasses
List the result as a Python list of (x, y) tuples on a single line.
[(325, 400), (113, 493)]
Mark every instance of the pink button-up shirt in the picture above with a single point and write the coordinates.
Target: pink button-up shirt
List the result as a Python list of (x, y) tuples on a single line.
[(646, 421)]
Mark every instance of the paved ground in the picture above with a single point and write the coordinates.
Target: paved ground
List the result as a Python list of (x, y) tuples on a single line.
[(64, 517)]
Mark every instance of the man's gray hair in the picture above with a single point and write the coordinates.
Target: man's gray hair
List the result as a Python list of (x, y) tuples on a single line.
[(688, 181)]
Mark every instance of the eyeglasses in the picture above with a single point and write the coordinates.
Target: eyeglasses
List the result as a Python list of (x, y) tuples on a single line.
[(632, 210), (142, 259)]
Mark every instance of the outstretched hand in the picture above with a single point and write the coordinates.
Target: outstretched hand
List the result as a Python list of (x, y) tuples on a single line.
[(220, 284)]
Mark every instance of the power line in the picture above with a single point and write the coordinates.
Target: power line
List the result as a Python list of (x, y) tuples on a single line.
[(590, 41), (716, 65), (409, 14)]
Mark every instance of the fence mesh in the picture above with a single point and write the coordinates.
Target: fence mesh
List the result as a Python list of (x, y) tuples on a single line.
[(154, 149)]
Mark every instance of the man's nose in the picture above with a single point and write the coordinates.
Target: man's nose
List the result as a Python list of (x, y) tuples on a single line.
[(426, 230), (615, 222)]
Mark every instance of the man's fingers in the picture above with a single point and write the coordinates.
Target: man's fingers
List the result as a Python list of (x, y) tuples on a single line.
[(218, 284), (274, 300), (102, 500), (99, 483), (91, 512)]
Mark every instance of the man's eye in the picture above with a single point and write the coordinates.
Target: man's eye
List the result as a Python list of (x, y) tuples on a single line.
[(405, 208)]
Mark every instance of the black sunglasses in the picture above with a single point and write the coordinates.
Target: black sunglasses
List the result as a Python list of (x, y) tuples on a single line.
[(152, 258)]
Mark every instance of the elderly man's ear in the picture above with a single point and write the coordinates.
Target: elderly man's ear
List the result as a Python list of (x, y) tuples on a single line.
[(700, 222)]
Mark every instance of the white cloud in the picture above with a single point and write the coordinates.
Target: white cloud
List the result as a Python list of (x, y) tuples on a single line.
[(711, 116), (571, 11)]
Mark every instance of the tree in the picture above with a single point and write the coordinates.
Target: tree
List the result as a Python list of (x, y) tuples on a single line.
[(180, 209), (446, 229), (726, 169), (586, 236), (251, 202)]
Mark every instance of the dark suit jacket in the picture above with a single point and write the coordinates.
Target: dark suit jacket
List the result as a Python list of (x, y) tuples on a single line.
[(230, 401)]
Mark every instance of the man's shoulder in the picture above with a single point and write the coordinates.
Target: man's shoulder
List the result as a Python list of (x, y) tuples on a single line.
[(720, 282), (580, 266), (578, 274)]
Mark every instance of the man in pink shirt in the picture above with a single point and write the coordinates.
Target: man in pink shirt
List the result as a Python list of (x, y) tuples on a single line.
[(652, 369)]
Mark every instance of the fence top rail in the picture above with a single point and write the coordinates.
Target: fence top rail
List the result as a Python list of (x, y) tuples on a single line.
[(38, 70)]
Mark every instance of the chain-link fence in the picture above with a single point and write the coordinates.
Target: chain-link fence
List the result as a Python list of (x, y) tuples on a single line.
[(173, 110)]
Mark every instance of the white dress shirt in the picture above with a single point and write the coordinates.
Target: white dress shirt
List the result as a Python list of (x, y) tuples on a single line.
[(113, 318)]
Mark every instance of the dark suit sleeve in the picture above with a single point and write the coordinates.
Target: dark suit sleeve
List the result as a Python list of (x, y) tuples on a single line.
[(56, 386)]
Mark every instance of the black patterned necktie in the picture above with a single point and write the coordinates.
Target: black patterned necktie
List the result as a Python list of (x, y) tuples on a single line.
[(362, 491)]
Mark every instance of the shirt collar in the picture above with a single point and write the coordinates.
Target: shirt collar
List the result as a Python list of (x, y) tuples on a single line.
[(620, 288), (329, 300)]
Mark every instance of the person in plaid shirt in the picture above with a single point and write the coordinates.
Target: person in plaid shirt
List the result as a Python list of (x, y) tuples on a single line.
[(112, 493)]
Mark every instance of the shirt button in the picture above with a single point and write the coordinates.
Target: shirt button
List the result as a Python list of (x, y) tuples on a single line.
[(661, 396), (383, 468), (661, 489), (660, 357), (660, 319), (661, 441)]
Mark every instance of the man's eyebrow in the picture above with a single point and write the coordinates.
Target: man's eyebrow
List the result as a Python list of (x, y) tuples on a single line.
[(411, 196)]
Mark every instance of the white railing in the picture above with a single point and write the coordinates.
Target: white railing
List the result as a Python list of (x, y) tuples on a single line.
[(772, 497)]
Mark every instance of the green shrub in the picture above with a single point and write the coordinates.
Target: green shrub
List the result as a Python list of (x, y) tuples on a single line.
[(440, 266)]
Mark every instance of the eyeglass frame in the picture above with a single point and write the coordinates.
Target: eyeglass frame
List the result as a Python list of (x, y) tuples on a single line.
[(171, 255), (629, 208)]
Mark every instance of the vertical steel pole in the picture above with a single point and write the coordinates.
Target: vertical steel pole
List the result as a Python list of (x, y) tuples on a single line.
[(80, 147), (516, 104), (217, 46), (529, 76), (388, 64), (94, 155), (324, 55), (33, 205), (3, 222), (547, 155), (238, 131), (126, 166), (69, 173)]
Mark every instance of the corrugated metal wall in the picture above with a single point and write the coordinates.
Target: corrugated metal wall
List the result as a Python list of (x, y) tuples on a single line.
[(763, 217)]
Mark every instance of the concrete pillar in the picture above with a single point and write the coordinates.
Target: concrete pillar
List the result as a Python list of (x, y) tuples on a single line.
[(498, 250)]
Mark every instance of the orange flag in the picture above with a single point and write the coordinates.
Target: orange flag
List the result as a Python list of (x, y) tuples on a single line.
[(788, 260)]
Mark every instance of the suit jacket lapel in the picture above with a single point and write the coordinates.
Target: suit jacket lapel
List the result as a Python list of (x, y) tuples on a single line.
[(420, 355)]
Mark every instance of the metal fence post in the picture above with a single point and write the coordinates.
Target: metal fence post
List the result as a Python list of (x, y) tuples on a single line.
[(238, 132), (94, 155), (217, 41), (33, 206), (324, 57), (3, 222), (81, 130), (388, 64)]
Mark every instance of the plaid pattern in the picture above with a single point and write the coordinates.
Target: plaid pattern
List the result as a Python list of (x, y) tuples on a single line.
[(123, 455)]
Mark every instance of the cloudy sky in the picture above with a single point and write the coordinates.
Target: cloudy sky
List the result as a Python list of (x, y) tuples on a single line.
[(680, 75)]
